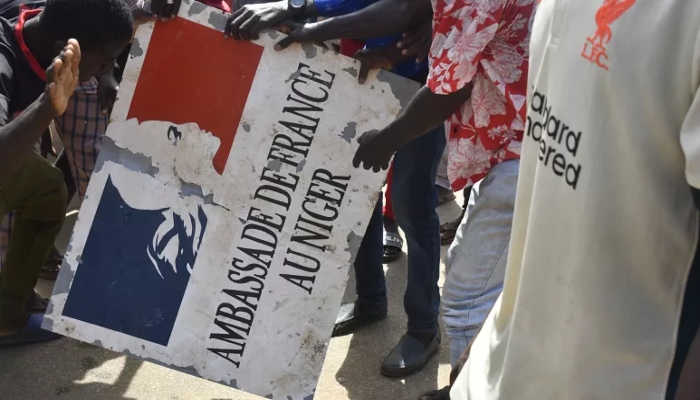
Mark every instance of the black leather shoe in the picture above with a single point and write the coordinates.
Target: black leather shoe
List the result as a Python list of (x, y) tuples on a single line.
[(409, 356), (36, 304), (353, 316)]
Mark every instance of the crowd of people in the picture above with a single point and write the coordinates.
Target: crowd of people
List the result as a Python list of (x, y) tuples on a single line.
[(571, 126)]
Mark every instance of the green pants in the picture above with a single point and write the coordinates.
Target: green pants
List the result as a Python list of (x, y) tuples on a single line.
[(37, 194)]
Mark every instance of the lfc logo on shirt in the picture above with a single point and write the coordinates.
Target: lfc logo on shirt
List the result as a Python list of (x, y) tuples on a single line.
[(594, 50)]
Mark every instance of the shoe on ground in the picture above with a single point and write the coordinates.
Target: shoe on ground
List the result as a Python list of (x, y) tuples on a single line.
[(410, 356), (353, 316), (36, 304)]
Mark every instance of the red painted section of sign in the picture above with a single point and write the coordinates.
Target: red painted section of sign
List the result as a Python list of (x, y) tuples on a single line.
[(192, 74)]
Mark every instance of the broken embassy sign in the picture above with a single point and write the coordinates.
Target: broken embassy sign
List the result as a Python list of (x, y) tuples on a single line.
[(224, 212)]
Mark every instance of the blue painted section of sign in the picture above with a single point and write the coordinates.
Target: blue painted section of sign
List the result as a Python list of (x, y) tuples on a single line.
[(128, 279)]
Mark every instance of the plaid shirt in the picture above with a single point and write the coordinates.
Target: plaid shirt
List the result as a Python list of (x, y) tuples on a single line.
[(134, 4)]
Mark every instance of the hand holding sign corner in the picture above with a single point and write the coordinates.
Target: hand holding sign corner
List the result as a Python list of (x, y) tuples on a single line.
[(377, 58), (299, 33), (246, 23), (375, 151)]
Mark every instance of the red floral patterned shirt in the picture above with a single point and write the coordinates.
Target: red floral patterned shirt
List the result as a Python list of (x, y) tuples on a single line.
[(485, 42)]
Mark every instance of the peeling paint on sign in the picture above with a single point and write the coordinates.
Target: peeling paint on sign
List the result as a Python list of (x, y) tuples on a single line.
[(217, 21), (349, 132), (402, 92), (310, 50), (351, 70), (196, 8), (136, 50)]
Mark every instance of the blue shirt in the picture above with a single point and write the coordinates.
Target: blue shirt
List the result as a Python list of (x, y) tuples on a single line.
[(334, 8)]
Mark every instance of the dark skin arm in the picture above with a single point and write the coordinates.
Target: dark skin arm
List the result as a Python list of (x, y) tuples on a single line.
[(376, 58), (418, 39), (425, 112), (462, 360), (17, 138), (383, 18)]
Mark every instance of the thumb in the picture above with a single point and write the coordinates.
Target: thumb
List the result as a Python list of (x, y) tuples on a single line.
[(291, 27), (363, 138), (365, 67), (284, 43)]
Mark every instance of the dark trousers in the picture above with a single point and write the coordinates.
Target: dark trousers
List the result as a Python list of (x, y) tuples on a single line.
[(415, 200), (37, 195)]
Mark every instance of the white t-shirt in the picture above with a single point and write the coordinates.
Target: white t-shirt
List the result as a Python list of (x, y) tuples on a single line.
[(605, 227)]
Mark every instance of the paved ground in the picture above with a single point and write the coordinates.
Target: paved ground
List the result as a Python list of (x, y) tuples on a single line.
[(71, 370)]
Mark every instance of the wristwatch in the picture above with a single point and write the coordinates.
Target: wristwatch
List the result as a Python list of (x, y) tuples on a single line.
[(297, 6)]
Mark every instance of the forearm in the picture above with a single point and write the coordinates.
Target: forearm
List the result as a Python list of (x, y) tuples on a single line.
[(425, 112), (19, 136), (383, 18)]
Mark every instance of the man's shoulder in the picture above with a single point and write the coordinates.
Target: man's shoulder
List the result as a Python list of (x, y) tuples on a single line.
[(9, 9), (8, 42), (9, 49)]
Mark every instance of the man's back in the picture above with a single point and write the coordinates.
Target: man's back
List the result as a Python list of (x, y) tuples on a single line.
[(605, 229)]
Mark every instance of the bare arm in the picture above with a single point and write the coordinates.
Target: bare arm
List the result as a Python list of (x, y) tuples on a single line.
[(19, 136), (383, 18), (426, 111)]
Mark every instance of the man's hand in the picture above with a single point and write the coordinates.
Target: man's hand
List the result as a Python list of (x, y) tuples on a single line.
[(298, 33), (443, 394), (107, 89), (377, 58), (417, 41), (165, 9), (247, 22), (461, 362), (62, 77), (375, 151)]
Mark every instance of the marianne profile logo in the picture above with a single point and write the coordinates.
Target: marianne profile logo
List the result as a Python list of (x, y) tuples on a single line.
[(135, 266), (594, 50)]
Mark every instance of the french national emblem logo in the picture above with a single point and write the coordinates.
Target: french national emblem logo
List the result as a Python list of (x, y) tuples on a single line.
[(594, 50)]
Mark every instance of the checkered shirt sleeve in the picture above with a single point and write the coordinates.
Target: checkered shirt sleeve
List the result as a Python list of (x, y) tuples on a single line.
[(135, 4)]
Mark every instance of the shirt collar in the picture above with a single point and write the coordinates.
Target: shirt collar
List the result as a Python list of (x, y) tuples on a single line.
[(24, 15)]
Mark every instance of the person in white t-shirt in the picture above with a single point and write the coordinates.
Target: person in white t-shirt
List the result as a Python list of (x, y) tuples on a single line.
[(602, 291)]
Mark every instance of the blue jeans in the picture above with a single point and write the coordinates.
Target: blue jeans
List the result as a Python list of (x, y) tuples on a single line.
[(476, 261), (415, 199)]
